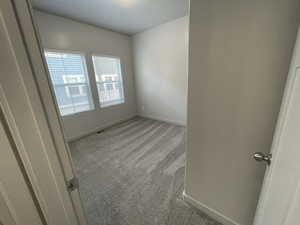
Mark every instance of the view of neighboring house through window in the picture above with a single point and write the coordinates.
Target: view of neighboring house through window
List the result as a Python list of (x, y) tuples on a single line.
[(70, 81), (109, 80)]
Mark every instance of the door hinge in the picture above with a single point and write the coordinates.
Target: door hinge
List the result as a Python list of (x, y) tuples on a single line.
[(72, 184)]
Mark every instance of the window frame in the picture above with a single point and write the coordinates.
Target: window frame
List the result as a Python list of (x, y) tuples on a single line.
[(121, 79), (86, 71)]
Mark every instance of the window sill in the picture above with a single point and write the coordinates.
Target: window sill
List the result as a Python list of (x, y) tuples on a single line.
[(110, 104)]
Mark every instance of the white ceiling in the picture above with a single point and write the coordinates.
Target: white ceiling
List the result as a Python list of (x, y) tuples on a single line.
[(125, 16)]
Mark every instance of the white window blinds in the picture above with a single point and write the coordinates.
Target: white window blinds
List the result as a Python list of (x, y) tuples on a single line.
[(70, 81)]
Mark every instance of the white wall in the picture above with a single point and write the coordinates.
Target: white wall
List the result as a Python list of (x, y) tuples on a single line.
[(239, 58), (160, 60), (64, 34)]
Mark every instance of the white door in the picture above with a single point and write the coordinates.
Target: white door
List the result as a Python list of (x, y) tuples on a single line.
[(40, 74), (17, 206), (279, 202), (26, 116)]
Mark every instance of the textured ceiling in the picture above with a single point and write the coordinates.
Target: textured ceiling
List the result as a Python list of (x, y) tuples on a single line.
[(125, 16)]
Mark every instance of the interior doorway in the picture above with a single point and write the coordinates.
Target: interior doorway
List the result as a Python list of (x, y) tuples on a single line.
[(123, 111), (164, 162)]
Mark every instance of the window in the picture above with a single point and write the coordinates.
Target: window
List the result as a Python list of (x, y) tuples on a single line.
[(109, 80), (70, 81)]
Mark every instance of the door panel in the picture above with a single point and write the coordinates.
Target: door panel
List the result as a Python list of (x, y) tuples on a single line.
[(280, 199), (16, 204), (238, 63)]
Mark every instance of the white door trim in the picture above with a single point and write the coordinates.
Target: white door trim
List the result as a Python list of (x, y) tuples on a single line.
[(26, 116), (280, 127), (41, 75)]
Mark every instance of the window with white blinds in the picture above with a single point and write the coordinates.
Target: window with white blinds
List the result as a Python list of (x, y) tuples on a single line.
[(70, 81), (109, 80)]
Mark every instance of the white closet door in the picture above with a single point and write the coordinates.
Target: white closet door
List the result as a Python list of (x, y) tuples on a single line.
[(17, 206)]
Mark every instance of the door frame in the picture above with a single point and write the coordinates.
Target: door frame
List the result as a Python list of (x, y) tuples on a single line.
[(44, 110), (281, 121)]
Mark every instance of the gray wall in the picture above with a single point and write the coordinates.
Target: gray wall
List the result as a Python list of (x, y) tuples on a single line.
[(161, 62), (64, 34), (239, 58)]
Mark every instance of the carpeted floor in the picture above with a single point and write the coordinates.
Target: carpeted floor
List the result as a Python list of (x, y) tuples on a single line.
[(133, 174)]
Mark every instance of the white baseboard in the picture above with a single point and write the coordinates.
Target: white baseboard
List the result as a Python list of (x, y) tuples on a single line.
[(98, 129), (121, 121), (180, 123), (209, 211)]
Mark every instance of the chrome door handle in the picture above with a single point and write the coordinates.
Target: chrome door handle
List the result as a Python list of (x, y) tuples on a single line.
[(262, 157)]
